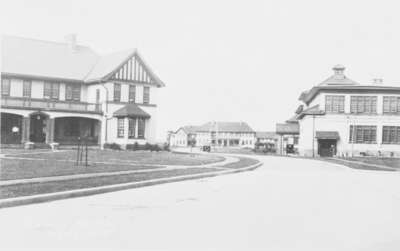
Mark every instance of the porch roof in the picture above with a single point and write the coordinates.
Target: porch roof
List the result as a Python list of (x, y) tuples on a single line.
[(327, 135), (131, 110)]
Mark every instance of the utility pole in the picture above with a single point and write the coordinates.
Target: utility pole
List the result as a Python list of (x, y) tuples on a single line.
[(313, 137)]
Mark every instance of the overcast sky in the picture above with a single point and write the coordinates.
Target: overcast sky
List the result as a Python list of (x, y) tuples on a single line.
[(227, 60)]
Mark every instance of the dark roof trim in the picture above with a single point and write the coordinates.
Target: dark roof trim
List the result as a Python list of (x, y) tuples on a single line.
[(310, 95), (39, 78)]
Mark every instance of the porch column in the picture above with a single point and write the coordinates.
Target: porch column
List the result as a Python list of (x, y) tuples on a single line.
[(26, 126), (50, 131), (98, 130)]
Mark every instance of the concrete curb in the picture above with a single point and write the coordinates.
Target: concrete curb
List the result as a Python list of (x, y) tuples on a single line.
[(25, 200)]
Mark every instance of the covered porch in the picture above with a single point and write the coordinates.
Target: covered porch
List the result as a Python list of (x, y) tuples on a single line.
[(40, 128)]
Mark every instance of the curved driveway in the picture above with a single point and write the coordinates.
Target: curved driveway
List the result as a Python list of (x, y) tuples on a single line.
[(287, 204)]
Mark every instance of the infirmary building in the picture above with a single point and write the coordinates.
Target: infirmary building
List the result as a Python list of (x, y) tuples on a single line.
[(342, 117), (60, 92)]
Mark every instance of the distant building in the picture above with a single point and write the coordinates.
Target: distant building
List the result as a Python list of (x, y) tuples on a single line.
[(342, 117), (183, 136), (267, 141), (288, 137), (221, 134), (226, 134)]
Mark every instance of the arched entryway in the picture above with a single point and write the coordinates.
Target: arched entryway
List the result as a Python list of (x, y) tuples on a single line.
[(38, 123), (69, 130), (11, 128)]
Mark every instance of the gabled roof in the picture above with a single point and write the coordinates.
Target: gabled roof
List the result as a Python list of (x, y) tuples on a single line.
[(226, 127), (59, 61), (131, 110), (30, 57), (287, 128), (107, 64), (190, 129)]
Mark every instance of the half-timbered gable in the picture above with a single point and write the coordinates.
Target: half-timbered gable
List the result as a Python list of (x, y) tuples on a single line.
[(134, 70)]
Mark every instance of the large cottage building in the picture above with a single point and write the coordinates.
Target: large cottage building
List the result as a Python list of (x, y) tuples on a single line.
[(61, 92), (226, 134), (219, 134), (344, 118)]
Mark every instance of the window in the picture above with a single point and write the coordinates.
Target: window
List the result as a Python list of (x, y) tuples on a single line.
[(73, 92), (5, 87), (26, 89), (141, 128), (363, 134), (131, 128), (51, 90), (132, 93), (120, 128), (391, 135), (391, 104), (117, 92), (334, 104), (363, 104), (146, 95)]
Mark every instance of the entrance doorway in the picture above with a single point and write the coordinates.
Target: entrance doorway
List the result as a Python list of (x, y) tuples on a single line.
[(327, 147), (38, 128)]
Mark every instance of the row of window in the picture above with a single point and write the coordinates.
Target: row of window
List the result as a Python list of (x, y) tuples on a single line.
[(131, 128), (361, 104), (72, 91), (50, 90), (367, 134), (132, 94)]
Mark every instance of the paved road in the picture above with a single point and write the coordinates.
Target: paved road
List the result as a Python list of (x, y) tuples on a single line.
[(287, 204)]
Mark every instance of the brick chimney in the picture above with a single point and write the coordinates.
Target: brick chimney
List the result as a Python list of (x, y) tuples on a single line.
[(70, 39)]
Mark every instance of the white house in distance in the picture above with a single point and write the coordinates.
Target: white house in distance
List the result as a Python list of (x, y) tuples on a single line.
[(226, 134), (60, 92), (342, 117), (182, 136)]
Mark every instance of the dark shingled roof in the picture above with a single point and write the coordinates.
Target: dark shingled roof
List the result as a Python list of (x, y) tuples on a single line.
[(226, 127), (288, 128), (131, 110)]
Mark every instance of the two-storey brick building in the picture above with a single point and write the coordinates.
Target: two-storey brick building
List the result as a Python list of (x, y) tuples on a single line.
[(342, 117), (61, 92)]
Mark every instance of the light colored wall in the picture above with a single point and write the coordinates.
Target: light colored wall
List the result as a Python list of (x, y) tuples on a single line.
[(37, 89), (179, 139), (341, 123)]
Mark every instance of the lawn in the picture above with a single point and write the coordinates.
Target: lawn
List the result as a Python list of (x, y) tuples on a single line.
[(242, 162), (390, 162), (23, 164), (63, 163), (133, 157), (58, 186)]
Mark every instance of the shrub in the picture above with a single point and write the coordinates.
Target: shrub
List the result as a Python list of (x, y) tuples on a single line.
[(155, 148), (112, 146), (166, 147), (132, 147)]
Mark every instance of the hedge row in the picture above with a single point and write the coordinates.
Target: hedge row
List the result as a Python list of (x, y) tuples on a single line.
[(138, 147)]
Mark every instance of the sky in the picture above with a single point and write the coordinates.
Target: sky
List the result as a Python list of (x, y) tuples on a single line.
[(227, 60)]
